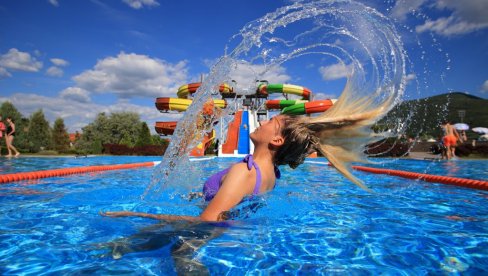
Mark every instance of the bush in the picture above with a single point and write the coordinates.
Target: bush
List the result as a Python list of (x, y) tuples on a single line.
[(117, 149), (149, 150)]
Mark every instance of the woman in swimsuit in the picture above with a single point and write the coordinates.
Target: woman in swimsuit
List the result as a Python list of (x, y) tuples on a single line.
[(339, 134), (2, 130), (10, 133)]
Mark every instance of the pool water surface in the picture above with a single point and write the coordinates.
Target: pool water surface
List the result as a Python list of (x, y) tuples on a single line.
[(315, 221)]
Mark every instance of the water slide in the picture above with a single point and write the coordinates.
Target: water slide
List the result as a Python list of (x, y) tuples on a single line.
[(191, 88), (176, 104), (243, 141), (266, 89), (165, 104), (202, 147), (300, 107), (232, 138), (165, 128), (168, 128), (237, 138)]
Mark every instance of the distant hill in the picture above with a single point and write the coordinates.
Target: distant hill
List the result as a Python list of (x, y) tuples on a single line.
[(427, 114)]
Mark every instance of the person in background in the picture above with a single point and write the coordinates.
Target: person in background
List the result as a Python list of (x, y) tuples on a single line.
[(451, 136), (2, 129), (10, 138), (463, 138)]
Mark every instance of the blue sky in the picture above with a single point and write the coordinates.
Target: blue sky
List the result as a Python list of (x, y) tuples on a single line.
[(75, 59)]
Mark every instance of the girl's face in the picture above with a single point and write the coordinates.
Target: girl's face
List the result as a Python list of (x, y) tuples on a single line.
[(267, 130)]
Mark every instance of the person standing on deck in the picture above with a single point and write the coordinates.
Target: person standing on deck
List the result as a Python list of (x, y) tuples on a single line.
[(10, 138), (2, 130), (451, 136)]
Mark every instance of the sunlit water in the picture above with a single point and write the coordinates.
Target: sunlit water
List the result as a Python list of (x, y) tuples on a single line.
[(313, 222)]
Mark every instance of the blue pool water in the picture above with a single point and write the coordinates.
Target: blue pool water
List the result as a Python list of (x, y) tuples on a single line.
[(313, 222)]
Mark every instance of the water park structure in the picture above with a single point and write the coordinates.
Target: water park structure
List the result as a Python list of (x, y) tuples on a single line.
[(231, 133)]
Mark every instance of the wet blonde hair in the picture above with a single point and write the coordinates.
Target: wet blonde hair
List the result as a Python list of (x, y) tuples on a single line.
[(340, 134)]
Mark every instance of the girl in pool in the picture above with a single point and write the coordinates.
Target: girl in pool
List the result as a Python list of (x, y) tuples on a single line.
[(340, 134)]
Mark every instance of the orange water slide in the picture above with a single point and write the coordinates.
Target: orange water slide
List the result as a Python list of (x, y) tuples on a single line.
[(232, 134), (202, 147), (165, 128)]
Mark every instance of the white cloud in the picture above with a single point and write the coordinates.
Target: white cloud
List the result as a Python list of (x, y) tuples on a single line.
[(460, 17), (335, 71), (137, 4), (59, 62), (410, 77), (133, 75), (75, 94), (4, 73), (54, 71), (54, 3), (484, 87), (324, 96), (20, 61), (404, 7), (79, 114), (246, 75), (449, 26)]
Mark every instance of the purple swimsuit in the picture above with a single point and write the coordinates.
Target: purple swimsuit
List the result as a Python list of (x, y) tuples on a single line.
[(212, 185)]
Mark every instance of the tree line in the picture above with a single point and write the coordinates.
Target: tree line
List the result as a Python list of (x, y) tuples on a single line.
[(35, 135)]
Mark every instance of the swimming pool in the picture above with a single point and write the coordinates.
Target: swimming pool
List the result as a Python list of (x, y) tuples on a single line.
[(313, 222)]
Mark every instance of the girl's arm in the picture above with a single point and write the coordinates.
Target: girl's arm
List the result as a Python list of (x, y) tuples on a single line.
[(146, 215), (238, 183)]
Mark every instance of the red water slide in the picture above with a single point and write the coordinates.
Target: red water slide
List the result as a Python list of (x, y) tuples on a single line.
[(232, 134)]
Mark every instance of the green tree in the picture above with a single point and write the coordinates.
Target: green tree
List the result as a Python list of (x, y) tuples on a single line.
[(60, 137), (157, 140), (118, 128), (7, 109), (39, 132), (124, 128), (96, 147), (144, 138)]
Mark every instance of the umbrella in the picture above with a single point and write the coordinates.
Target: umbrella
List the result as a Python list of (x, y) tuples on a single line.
[(461, 126), (483, 130)]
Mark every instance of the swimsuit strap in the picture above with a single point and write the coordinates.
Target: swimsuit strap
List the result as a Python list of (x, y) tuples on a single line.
[(250, 163)]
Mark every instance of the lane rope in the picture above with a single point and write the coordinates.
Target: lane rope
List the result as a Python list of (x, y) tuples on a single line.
[(463, 182), (457, 181), (6, 178)]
